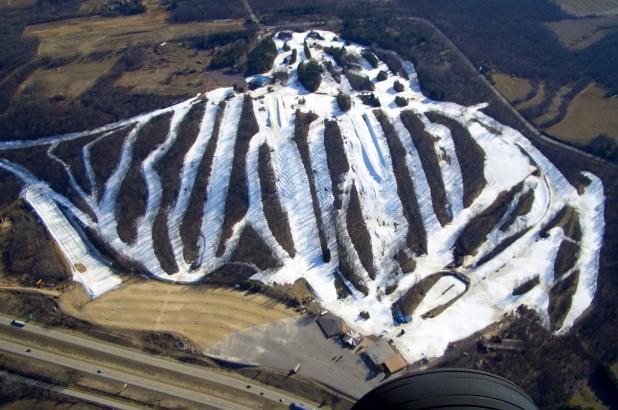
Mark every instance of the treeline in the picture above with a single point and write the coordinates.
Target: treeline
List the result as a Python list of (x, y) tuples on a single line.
[(262, 57), (310, 75), (123, 8), (379, 31), (220, 39), (32, 116), (511, 36), (183, 11)]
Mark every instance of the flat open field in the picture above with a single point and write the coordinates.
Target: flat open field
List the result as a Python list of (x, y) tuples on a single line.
[(16, 4), (583, 32), (588, 116), (536, 100), (204, 315), (589, 7), (513, 88), (175, 69), (70, 80), (84, 35), (554, 108), (586, 399)]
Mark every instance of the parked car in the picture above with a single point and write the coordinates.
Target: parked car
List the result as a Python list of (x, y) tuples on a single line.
[(17, 323)]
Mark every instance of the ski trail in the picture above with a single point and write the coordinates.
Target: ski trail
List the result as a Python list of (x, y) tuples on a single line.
[(31, 180), (212, 221), (94, 275), (87, 159), (19, 144), (190, 167), (419, 180), (143, 250), (107, 206), (449, 165), (90, 201)]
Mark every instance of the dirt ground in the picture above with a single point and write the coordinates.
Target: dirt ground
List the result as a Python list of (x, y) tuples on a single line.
[(85, 35), (513, 88), (588, 116), (203, 315), (174, 69)]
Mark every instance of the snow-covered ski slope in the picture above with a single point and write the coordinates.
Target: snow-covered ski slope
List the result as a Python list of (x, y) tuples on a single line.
[(432, 214)]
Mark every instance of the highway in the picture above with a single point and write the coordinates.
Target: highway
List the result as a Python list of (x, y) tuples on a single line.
[(118, 376), (69, 392), (128, 356)]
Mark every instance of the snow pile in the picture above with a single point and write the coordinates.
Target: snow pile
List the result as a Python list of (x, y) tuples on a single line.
[(473, 293)]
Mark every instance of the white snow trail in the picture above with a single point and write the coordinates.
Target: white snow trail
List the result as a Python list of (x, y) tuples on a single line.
[(218, 183)]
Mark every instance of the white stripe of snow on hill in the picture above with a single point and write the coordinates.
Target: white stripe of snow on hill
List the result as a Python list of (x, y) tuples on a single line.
[(96, 278), (143, 250), (218, 183), (590, 207), (449, 166), (30, 180), (417, 174), (190, 166)]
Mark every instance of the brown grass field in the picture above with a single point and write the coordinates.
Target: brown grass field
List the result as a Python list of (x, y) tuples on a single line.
[(203, 315), (554, 108), (582, 32), (536, 100), (589, 7), (588, 115), (16, 4), (586, 399), (85, 35), (513, 88), (70, 80), (175, 69)]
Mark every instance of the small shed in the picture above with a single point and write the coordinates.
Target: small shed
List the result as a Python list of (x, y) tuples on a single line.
[(331, 325), (395, 363), (259, 81), (382, 355)]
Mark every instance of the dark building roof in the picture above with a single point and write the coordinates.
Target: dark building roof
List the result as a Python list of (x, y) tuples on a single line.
[(331, 325), (380, 352)]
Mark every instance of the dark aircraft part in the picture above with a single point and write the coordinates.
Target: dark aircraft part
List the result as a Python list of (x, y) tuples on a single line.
[(447, 388)]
